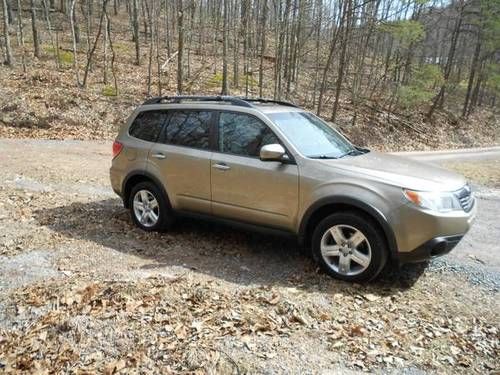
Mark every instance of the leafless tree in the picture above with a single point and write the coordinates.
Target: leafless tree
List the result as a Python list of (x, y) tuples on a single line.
[(9, 59)]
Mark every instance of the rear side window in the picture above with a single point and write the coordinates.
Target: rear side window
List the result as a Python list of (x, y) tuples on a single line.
[(147, 125), (189, 128), (242, 134)]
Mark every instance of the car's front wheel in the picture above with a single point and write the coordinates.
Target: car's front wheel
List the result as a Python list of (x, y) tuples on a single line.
[(149, 207), (349, 246)]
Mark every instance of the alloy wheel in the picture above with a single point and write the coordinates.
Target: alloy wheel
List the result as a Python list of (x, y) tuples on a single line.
[(346, 250), (146, 208)]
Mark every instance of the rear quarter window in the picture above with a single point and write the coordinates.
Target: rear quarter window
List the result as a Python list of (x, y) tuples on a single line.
[(147, 125)]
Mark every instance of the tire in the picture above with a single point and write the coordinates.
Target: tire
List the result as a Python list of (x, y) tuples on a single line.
[(354, 259), (158, 207)]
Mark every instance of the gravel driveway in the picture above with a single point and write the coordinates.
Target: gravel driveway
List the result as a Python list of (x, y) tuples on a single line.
[(76, 275)]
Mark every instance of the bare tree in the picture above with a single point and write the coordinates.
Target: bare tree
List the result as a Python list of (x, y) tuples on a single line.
[(180, 45), (9, 59), (113, 55), (55, 48), (94, 46), (439, 99), (73, 34), (263, 23), (34, 29), (135, 13), (225, 37), (21, 35), (345, 27)]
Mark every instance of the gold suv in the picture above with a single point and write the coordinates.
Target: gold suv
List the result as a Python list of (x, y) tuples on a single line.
[(269, 164)]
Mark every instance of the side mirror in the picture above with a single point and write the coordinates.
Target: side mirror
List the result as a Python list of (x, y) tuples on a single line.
[(273, 152)]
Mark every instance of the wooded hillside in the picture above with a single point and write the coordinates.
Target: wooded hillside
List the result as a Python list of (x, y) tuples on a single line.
[(381, 69)]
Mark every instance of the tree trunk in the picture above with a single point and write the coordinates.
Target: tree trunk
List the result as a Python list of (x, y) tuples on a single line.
[(262, 47), (439, 99), (113, 56), (51, 35), (9, 59), (326, 70), (225, 90), (105, 50), (34, 29), (180, 45), (472, 76), (91, 53), (135, 25), (21, 35), (73, 34), (345, 38), (151, 45)]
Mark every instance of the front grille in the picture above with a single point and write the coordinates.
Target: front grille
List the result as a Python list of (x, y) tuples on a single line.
[(466, 198)]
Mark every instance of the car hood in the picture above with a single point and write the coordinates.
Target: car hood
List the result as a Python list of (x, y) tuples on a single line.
[(399, 171)]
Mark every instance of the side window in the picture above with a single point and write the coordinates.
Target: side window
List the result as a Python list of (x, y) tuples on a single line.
[(147, 125), (242, 134), (189, 128)]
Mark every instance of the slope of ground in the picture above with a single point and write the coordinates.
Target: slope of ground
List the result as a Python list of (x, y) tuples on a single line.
[(46, 102)]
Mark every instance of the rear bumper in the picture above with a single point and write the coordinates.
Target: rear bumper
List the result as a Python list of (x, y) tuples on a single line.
[(116, 181), (431, 249)]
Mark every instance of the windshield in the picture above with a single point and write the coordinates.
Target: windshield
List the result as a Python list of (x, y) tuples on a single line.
[(313, 137)]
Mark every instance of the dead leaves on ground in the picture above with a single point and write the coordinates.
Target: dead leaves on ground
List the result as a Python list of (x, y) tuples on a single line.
[(178, 325)]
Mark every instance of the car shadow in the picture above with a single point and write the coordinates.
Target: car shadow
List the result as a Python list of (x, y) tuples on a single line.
[(213, 249)]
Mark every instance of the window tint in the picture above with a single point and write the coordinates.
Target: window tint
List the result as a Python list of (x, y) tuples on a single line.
[(242, 134), (189, 128), (147, 125), (311, 135)]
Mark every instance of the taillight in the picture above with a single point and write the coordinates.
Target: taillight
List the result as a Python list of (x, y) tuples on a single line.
[(117, 147)]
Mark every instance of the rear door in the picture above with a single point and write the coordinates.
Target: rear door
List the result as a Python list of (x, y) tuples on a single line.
[(244, 187), (181, 158), (137, 141)]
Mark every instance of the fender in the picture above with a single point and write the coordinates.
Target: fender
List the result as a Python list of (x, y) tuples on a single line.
[(143, 173), (369, 209)]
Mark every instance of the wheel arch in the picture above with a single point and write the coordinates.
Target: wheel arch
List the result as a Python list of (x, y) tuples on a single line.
[(325, 206), (135, 177)]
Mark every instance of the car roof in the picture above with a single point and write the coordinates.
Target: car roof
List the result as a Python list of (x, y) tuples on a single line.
[(228, 102)]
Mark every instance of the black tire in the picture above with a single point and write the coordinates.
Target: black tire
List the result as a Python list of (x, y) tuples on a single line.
[(371, 232), (165, 214)]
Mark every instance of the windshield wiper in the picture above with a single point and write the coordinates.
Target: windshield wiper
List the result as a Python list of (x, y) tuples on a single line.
[(352, 152), (322, 157)]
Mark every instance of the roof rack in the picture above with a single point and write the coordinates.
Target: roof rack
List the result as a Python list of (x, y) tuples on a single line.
[(177, 99), (265, 101), (234, 100)]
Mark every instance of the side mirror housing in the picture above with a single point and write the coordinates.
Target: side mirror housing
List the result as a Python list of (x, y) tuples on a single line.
[(272, 152)]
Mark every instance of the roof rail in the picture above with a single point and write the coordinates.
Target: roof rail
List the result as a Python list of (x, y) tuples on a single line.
[(219, 98), (263, 100), (234, 100)]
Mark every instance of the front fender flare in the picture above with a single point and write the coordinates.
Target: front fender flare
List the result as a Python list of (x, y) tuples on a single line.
[(355, 203)]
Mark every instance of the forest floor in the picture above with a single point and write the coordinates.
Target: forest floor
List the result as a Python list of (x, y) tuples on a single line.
[(82, 290)]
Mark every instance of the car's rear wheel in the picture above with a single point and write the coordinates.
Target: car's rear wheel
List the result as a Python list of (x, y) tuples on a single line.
[(149, 207), (349, 246)]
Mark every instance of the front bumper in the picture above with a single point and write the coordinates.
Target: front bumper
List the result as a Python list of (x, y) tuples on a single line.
[(422, 234), (431, 249)]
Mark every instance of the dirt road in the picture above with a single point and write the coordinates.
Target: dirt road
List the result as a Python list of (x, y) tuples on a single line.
[(81, 168), (231, 301)]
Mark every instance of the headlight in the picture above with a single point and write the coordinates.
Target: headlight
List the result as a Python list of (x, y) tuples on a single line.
[(436, 201)]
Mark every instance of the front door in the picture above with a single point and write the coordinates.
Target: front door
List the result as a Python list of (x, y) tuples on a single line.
[(245, 188)]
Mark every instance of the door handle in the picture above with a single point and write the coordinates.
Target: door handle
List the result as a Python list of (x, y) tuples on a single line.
[(221, 166), (159, 155)]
